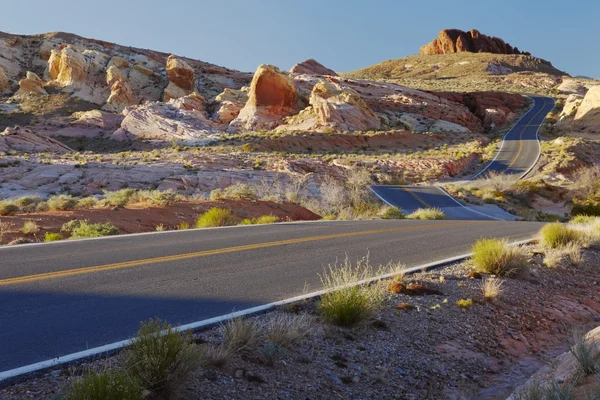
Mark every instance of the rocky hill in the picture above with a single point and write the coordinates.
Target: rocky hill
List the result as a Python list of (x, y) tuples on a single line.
[(457, 41)]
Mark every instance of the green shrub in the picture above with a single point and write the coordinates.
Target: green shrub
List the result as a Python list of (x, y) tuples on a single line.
[(158, 197), (588, 206), (270, 352), (182, 226), (584, 219), (106, 385), (557, 235), (161, 358), (8, 208), (62, 202), (465, 303), (29, 228), (350, 303), (266, 219), (52, 237), (495, 256), (81, 229), (28, 202), (119, 198), (247, 221), (215, 217), (393, 213), (241, 191), (87, 202), (427, 213)]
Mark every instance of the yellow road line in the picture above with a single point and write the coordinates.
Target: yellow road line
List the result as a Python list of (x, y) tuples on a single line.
[(178, 257), (416, 197), (514, 160)]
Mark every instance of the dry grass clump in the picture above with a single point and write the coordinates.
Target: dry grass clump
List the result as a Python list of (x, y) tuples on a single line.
[(215, 217), (105, 385), (350, 301), (427, 213), (216, 356), (572, 251), (392, 213), (558, 235), (123, 197), (241, 191), (464, 304), (161, 358), (52, 237), (497, 257), (585, 352), (492, 288), (29, 228), (288, 329), (8, 208), (83, 229), (241, 335), (61, 202)]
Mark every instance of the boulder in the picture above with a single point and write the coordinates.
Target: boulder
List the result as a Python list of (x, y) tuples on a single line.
[(230, 102), (588, 112), (67, 67), (4, 82), (181, 79), (91, 124), (312, 67), (572, 103), (457, 41), (333, 106), (121, 94), (31, 84), (272, 97), (572, 86), (191, 102), (24, 140)]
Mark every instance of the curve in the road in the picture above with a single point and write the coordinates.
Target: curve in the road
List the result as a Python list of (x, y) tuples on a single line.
[(517, 155)]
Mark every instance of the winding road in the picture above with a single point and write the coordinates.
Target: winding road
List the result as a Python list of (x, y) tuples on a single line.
[(517, 155), (61, 298)]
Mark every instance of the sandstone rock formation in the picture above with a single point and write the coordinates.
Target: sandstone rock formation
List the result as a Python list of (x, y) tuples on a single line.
[(24, 140), (588, 112), (230, 103), (4, 82), (121, 94), (181, 79), (456, 41), (91, 124), (572, 103), (333, 106), (31, 84), (312, 67), (272, 97), (191, 102)]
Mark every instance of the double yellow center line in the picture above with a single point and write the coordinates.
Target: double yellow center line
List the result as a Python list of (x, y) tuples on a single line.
[(205, 253), (514, 160)]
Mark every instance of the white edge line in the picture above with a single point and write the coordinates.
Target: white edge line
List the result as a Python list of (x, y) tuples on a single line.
[(537, 135), (504, 140), (468, 208), (381, 198), (13, 373)]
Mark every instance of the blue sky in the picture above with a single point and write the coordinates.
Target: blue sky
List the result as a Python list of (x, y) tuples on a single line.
[(343, 35)]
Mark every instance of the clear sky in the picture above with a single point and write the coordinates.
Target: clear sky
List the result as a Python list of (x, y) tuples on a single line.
[(342, 34)]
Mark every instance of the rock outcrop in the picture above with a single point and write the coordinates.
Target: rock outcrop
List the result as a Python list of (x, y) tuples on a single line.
[(457, 41), (181, 79), (24, 140), (31, 84), (230, 103), (4, 82), (333, 106), (91, 124), (312, 67), (588, 112), (191, 102), (121, 94), (572, 103), (272, 97)]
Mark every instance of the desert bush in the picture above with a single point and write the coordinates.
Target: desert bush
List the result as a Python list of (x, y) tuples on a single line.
[(160, 357), (583, 219), (155, 197), (61, 202), (52, 237), (464, 304), (87, 202), (427, 213), (8, 208), (495, 256), (29, 228), (288, 329), (216, 356), (392, 213), (348, 302), (105, 385), (270, 352), (182, 226), (241, 191), (119, 198), (491, 288), (266, 219), (586, 206), (587, 181), (28, 203), (81, 229), (585, 353), (215, 217), (241, 335), (558, 235)]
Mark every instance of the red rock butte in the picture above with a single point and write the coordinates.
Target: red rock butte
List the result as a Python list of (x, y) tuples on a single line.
[(457, 41)]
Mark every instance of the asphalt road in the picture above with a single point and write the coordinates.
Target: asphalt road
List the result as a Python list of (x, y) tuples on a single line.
[(64, 297), (517, 155)]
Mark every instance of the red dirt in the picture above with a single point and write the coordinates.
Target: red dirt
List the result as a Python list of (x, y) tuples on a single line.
[(135, 220)]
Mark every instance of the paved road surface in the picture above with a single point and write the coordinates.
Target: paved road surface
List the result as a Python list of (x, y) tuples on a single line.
[(518, 154), (64, 297)]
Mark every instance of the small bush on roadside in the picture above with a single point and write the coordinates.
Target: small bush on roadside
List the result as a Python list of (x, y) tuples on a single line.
[(491, 288), (182, 226), (583, 219), (87, 202), (161, 358), (557, 235), (61, 202), (29, 228), (81, 229), (392, 213), (266, 219), (350, 303), (52, 237), (464, 304), (8, 208), (288, 329), (495, 256), (270, 352), (427, 213), (119, 198), (215, 217), (241, 335), (238, 191), (216, 356), (105, 385)]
